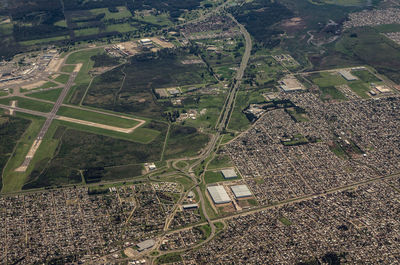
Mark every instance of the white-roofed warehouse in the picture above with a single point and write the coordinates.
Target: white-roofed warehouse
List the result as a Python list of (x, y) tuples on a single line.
[(229, 173), (218, 194), (241, 191)]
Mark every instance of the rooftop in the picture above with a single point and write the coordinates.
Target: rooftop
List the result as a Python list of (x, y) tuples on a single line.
[(218, 194), (241, 191), (229, 173)]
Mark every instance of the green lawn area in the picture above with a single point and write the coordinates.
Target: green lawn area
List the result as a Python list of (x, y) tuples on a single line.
[(331, 93), (28, 104), (63, 78), (220, 161), (360, 89), (51, 95), (285, 221), (96, 117), (214, 177), (366, 76), (327, 79), (68, 68), (61, 23)]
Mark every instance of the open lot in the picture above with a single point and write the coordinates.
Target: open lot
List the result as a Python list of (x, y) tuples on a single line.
[(133, 93)]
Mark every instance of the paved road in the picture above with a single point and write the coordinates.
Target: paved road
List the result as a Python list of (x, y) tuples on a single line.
[(51, 116)]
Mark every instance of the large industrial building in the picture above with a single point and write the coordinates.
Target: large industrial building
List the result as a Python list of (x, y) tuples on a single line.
[(218, 194), (229, 173), (347, 75), (241, 191)]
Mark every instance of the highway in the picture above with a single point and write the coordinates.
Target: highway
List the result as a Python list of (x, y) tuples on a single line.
[(50, 117)]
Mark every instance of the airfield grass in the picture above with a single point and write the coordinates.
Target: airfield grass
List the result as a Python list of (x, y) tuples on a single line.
[(83, 78), (48, 84), (68, 68), (13, 181), (63, 78), (28, 104), (143, 134), (96, 117), (80, 150), (50, 95), (11, 130)]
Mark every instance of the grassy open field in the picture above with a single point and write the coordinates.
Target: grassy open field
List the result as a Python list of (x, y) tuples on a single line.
[(51, 95), (216, 176), (184, 142), (96, 117), (11, 130), (68, 68), (28, 104), (13, 181), (239, 121), (135, 94), (63, 78), (83, 78), (123, 12), (107, 158), (43, 41), (220, 161)]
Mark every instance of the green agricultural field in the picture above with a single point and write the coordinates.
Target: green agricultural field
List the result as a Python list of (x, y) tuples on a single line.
[(184, 142), (50, 95), (28, 104), (6, 29), (97, 117)]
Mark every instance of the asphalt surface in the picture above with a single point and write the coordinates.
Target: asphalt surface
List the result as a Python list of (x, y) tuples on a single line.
[(50, 117)]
